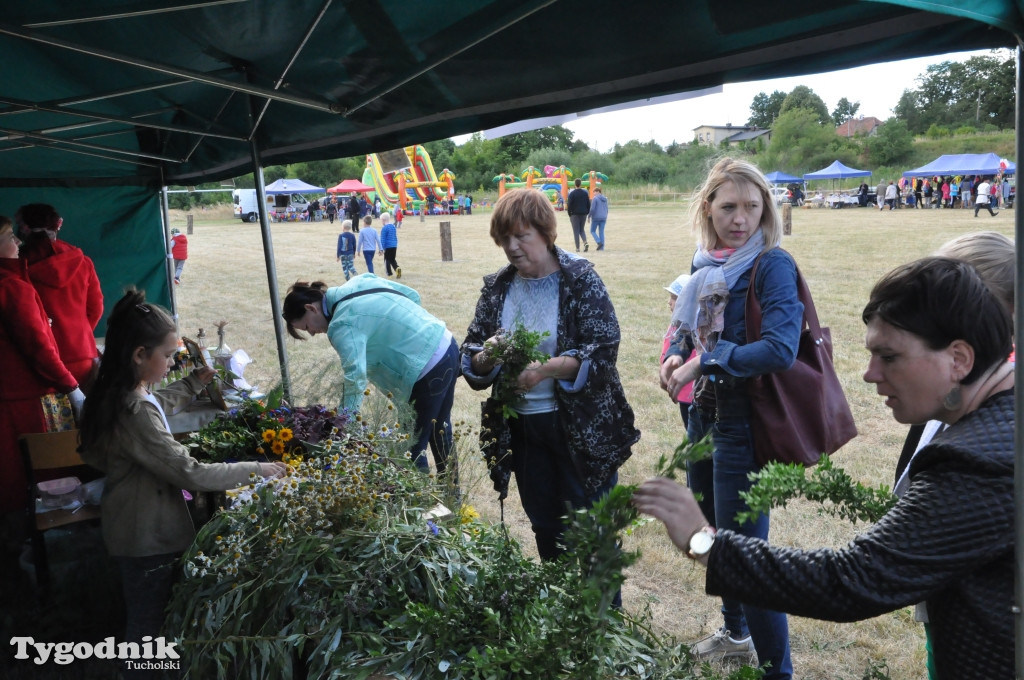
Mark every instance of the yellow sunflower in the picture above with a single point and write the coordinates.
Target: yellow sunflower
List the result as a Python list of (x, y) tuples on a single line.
[(277, 447), (285, 434), (467, 514), (268, 435)]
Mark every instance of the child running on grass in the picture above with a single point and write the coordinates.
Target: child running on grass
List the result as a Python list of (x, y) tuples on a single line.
[(347, 249), (369, 242), (389, 242)]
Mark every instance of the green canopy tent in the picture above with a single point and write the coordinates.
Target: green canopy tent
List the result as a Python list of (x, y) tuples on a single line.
[(106, 102), (127, 97)]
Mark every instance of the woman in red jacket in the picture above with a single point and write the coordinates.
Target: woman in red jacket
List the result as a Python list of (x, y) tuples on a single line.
[(66, 281), (29, 364)]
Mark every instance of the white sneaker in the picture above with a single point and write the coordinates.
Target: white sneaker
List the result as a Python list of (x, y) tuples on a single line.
[(719, 645)]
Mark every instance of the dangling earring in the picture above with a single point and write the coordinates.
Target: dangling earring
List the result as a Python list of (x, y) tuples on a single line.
[(954, 399)]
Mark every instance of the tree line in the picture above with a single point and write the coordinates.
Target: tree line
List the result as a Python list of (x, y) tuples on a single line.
[(950, 99)]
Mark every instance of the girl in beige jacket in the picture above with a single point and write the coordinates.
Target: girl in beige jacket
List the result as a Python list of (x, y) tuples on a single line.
[(146, 523)]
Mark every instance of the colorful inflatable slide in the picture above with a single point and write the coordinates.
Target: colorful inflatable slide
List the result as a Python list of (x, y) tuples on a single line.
[(408, 188), (554, 182)]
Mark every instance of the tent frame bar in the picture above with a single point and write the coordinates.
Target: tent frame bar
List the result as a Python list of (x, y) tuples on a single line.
[(22, 106), (398, 81), (79, 126), (51, 144), (199, 140), (295, 55), (128, 15), (194, 76), (111, 94), (63, 141)]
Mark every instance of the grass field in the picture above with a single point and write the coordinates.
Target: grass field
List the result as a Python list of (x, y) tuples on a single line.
[(841, 253)]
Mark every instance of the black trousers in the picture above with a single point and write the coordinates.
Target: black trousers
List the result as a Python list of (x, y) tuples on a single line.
[(390, 263)]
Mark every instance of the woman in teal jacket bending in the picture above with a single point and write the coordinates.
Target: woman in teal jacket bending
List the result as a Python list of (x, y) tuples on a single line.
[(385, 337)]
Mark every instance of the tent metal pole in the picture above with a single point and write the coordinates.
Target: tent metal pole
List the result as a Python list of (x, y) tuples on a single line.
[(1018, 409), (165, 215), (268, 257)]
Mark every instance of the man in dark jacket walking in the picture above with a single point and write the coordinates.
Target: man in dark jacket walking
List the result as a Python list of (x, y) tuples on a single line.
[(355, 212), (579, 207)]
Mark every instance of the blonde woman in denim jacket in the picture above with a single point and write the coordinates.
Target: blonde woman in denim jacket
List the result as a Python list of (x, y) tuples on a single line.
[(735, 219)]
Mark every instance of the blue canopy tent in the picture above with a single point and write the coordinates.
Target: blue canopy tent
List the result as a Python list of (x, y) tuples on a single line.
[(779, 177), (964, 164), (291, 186), (836, 171)]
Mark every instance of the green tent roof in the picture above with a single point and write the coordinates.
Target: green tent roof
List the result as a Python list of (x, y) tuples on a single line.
[(114, 91)]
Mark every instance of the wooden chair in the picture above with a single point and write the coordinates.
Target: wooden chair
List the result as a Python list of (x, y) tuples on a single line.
[(50, 451)]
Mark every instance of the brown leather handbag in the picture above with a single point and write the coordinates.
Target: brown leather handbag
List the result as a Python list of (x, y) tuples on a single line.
[(802, 412)]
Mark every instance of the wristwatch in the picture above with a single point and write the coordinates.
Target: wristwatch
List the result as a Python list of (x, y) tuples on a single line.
[(701, 542)]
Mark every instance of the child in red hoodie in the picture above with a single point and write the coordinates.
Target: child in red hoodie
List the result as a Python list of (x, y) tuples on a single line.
[(66, 281)]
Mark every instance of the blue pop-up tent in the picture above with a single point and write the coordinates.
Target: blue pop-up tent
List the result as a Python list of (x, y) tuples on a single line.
[(836, 171), (779, 177), (964, 164)]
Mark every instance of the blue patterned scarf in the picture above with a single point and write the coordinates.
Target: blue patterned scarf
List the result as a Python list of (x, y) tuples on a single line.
[(701, 306)]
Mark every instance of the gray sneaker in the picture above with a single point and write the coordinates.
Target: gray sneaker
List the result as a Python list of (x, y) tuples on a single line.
[(719, 645)]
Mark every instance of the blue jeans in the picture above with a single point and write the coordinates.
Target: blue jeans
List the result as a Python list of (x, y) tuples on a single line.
[(368, 256), (720, 480), (549, 484), (432, 398), (597, 231)]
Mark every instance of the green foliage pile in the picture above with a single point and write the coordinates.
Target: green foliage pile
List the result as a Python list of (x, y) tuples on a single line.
[(340, 571)]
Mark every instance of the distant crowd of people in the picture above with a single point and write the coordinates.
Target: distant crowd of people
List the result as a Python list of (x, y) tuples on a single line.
[(970, 191), (357, 206)]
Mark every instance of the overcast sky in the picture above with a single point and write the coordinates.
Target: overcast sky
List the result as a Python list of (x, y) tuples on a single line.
[(877, 87)]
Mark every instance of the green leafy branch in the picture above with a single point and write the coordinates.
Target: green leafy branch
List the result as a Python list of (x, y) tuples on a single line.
[(515, 351), (686, 453), (835, 491)]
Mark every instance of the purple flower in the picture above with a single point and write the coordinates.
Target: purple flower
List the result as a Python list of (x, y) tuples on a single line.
[(433, 527)]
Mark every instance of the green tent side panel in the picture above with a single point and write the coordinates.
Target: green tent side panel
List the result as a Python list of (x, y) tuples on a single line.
[(119, 227)]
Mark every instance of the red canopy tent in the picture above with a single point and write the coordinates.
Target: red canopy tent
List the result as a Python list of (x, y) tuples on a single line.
[(349, 186)]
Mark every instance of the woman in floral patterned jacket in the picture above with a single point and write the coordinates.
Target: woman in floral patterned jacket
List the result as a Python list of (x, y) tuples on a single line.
[(573, 427)]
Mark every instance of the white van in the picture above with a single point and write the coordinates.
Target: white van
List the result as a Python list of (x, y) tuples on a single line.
[(280, 204)]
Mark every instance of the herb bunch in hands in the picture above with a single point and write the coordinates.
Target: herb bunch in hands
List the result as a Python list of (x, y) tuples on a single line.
[(515, 350)]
